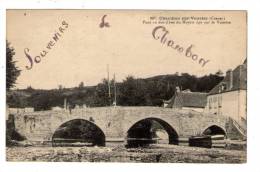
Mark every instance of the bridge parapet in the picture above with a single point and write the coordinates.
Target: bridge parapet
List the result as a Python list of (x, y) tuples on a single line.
[(115, 121)]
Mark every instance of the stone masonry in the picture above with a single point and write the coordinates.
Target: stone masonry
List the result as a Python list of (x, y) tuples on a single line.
[(115, 121)]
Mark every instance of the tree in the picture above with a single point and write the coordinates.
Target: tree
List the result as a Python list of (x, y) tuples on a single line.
[(102, 97), (219, 73), (29, 89), (81, 85), (60, 87), (12, 72), (133, 92)]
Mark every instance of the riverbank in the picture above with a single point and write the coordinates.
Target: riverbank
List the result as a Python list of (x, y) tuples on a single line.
[(153, 153)]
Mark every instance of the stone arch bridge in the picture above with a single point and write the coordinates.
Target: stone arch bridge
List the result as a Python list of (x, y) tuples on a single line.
[(115, 122)]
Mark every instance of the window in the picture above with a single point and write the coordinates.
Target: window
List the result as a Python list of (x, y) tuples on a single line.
[(224, 86), (219, 101), (210, 103)]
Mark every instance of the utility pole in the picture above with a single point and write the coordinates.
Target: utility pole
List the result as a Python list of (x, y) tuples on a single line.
[(65, 104), (114, 103), (108, 82)]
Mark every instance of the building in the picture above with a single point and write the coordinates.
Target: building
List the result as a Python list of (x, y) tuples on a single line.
[(229, 96), (187, 100)]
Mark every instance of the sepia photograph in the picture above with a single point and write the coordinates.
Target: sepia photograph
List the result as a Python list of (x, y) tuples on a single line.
[(136, 86)]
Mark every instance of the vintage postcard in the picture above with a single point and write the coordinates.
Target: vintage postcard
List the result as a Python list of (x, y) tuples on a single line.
[(126, 86)]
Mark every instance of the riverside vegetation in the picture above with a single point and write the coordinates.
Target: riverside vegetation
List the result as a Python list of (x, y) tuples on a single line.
[(131, 92)]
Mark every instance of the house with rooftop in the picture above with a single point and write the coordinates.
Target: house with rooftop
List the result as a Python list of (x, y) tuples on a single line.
[(187, 100), (229, 97)]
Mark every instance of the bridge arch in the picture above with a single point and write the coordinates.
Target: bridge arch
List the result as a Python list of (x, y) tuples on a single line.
[(214, 130), (82, 131), (142, 129)]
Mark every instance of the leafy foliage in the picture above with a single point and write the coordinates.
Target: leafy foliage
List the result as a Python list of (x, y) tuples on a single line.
[(12, 72), (131, 92)]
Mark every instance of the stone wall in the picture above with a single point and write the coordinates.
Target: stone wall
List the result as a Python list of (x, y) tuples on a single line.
[(114, 121)]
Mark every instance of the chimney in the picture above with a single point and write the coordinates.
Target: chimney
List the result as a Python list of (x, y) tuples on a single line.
[(229, 76)]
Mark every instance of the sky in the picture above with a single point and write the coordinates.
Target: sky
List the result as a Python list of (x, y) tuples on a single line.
[(84, 49)]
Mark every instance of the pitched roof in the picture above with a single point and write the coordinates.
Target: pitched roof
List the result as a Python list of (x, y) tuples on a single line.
[(234, 80), (188, 99)]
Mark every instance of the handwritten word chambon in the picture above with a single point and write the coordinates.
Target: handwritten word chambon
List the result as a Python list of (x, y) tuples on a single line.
[(55, 38), (161, 33)]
